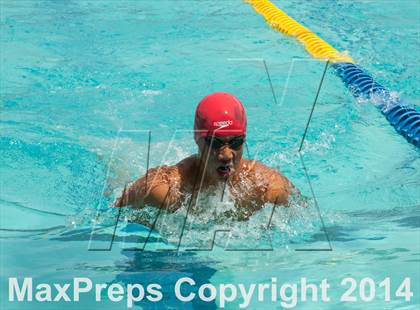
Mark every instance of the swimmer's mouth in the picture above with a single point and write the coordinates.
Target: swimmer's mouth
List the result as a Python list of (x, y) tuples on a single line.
[(225, 170)]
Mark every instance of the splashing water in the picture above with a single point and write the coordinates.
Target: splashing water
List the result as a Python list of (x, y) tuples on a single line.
[(211, 221)]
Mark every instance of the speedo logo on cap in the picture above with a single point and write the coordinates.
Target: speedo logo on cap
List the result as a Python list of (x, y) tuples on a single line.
[(222, 123)]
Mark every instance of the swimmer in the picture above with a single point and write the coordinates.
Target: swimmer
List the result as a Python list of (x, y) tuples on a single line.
[(219, 132)]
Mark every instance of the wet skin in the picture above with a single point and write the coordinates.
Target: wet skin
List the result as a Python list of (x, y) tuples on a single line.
[(251, 183)]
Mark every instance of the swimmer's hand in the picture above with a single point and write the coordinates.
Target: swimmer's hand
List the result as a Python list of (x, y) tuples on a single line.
[(122, 200)]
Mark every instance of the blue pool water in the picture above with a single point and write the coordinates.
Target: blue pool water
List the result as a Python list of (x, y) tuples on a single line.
[(82, 83)]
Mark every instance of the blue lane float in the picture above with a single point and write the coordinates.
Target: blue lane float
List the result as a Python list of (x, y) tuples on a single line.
[(404, 118)]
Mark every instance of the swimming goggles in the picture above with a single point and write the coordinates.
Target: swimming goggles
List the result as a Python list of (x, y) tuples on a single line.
[(215, 143)]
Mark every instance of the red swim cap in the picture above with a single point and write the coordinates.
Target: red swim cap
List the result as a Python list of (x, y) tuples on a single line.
[(219, 114)]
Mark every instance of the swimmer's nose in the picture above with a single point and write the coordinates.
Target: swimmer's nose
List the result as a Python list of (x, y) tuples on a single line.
[(225, 155)]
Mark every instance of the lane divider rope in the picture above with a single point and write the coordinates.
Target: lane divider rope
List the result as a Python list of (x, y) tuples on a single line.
[(403, 117), (282, 22)]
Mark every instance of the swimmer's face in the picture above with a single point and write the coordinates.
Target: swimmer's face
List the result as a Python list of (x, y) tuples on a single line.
[(223, 153)]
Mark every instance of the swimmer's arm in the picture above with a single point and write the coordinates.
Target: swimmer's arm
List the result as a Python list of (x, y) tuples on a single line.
[(139, 193), (278, 190)]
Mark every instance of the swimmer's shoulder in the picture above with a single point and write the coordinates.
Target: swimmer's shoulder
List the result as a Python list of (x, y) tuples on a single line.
[(272, 183), (255, 167), (174, 175), (187, 164)]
